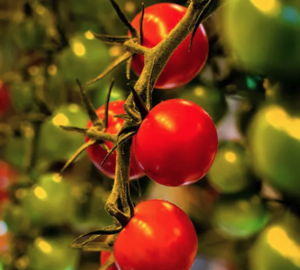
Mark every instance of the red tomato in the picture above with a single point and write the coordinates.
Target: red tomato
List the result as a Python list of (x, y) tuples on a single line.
[(183, 65), (176, 143), (97, 153), (104, 257), (7, 176), (4, 98), (159, 236)]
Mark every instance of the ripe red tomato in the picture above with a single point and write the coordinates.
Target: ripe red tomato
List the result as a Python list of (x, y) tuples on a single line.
[(97, 153), (176, 143), (5, 103), (183, 65), (160, 236), (104, 257), (7, 176)]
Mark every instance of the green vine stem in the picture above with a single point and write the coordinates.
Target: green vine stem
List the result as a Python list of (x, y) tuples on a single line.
[(155, 60)]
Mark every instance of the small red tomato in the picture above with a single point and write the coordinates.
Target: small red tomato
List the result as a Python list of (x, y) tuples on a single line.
[(104, 257), (159, 236), (4, 98), (176, 143), (7, 176), (183, 66), (97, 153)]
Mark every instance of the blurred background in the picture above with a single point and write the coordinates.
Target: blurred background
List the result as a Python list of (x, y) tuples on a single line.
[(245, 210)]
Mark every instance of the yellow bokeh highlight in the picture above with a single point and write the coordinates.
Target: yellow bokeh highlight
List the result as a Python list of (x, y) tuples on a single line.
[(89, 35), (130, 7), (40, 193), (267, 6), (279, 119), (284, 245), (199, 91), (230, 157), (52, 70), (43, 246), (56, 178), (60, 120), (78, 49)]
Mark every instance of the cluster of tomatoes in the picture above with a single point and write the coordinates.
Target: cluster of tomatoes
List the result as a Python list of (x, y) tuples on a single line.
[(175, 145)]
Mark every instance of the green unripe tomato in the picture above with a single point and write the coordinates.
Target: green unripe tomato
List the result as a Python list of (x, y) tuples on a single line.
[(240, 217), (56, 144), (274, 139), (53, 253), (29, 34), (15, 218), (15, 151), (99, 94), (278, 247), (231, 170), (49, 202), (22, 95), (85, 59), (264, 36), (211, 100), (90, 207)]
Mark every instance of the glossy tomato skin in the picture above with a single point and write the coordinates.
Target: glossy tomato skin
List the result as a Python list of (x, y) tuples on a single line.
[(183, 65), (176, 143), (160, 236), (97, 153), (104, 257)]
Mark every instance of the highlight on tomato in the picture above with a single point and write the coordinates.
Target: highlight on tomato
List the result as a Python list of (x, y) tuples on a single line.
[(176, 143), (97, 153), (183, 65), (159, 236)]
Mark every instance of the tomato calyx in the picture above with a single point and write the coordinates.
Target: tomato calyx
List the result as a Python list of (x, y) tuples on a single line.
[(131, 44), (90, 244), (96, 133)]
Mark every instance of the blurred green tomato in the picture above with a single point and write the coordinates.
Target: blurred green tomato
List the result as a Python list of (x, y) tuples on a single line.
[(240, 217), (15, 218), (56, 144), (211, 100), (85, 59), (89, 211), (99, 94), (22, 95), (29, 34), (53, 253), (274, 138), (49, 202), (278, 247), (16, 149), (230, 171), (264, 36)]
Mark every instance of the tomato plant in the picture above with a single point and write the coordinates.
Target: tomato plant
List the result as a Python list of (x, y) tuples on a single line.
[(29, 34), (159, 236), (275, 154), (43, 202), (176, 143), (56, 144), (240, 216), (158, 22), (104, 257), (97, 153), (210, 99), (277, 246), (84, 52), (268, 54), (5, 102), (231, 169), (52, 253)]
